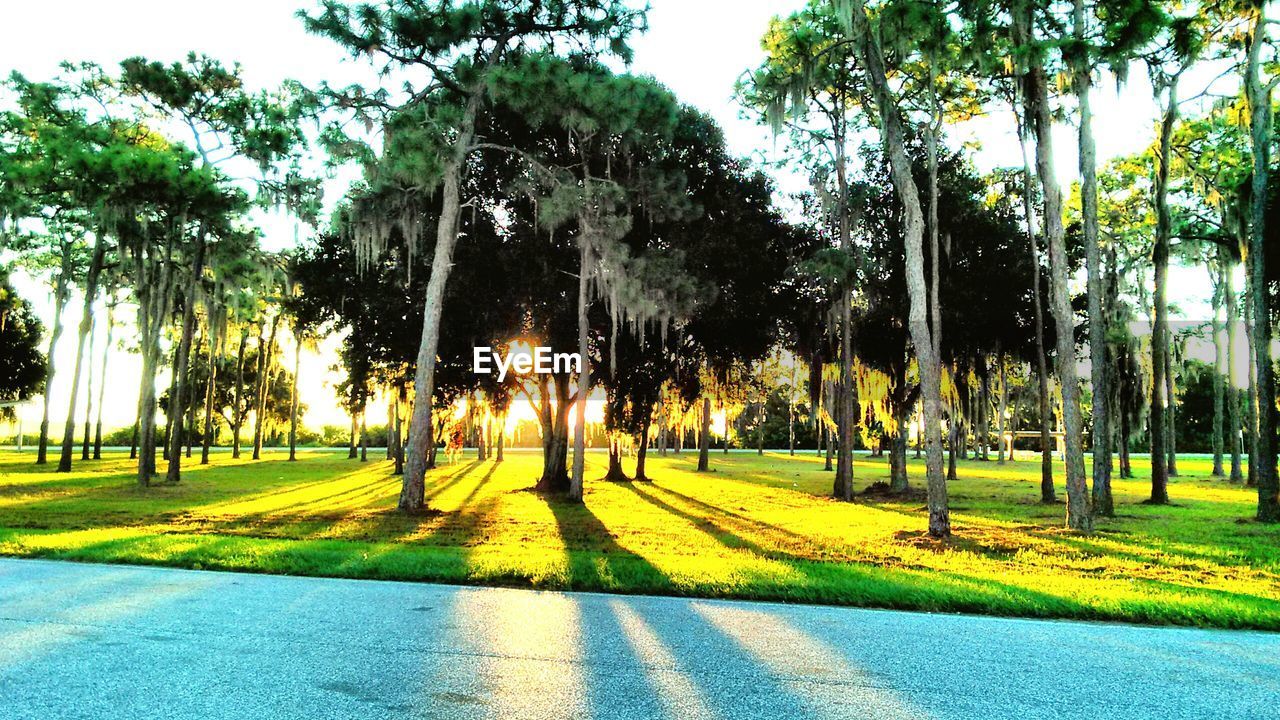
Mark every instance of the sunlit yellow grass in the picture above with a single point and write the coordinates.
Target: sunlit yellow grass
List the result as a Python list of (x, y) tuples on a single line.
[(754, 528)]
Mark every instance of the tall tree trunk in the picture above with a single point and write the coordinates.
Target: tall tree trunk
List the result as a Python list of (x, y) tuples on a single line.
[(412, 489), (352, 450), (894, 142), (1126, 432), (175, 404), (643, 447), (146, 432), (584, 375), (391, 423), (293, 400), (102, 384), (1082, 76), (1171, 416), (662, 429), (1160, 331), (193, 394), (1219, 374), (791, 412), (704, 436), (829, 454), (1004, 407), (984, 412), (898, 480), (760, 428), (843, 486), (217, 345), (401, 398), (86, 324), (1258, 96), (61, 293), (364, 432), (500, 437), (615, 473), (1048, 493), (1036, 98), (1251, 399), (953, 439), (266, 358), (155, 288), (1233, 373), (182, 362), (237, 413), (554, 418), (724, 443), (88, 411)]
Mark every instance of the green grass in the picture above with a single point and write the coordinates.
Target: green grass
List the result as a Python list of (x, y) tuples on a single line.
[(757, 528)]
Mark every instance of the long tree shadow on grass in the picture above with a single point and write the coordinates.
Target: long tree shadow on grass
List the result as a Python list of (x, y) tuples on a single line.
[(870, 585), (595, 559)]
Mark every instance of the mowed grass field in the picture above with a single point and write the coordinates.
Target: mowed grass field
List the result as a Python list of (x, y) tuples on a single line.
[(756, 528)]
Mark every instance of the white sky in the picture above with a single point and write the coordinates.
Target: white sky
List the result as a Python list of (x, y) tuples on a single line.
[(698, 48)]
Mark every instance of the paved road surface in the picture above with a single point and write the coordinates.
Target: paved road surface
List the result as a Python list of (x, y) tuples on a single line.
[(90, 641)]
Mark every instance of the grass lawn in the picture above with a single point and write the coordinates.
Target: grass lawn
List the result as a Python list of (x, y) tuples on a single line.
[(757, 528)]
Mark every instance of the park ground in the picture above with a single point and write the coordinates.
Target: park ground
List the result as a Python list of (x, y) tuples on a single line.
[(756, 528)]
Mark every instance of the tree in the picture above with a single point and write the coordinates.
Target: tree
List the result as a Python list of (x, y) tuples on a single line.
[(893, 137), (1107, 35), (45, 142), (455, 46), (1258, 98), (1174, 56), (22, 365), (606, 116), (226, 122), (811, 71), (1031, 58)]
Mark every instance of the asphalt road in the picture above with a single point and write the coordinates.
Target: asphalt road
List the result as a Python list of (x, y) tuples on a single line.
[(91, 641)]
